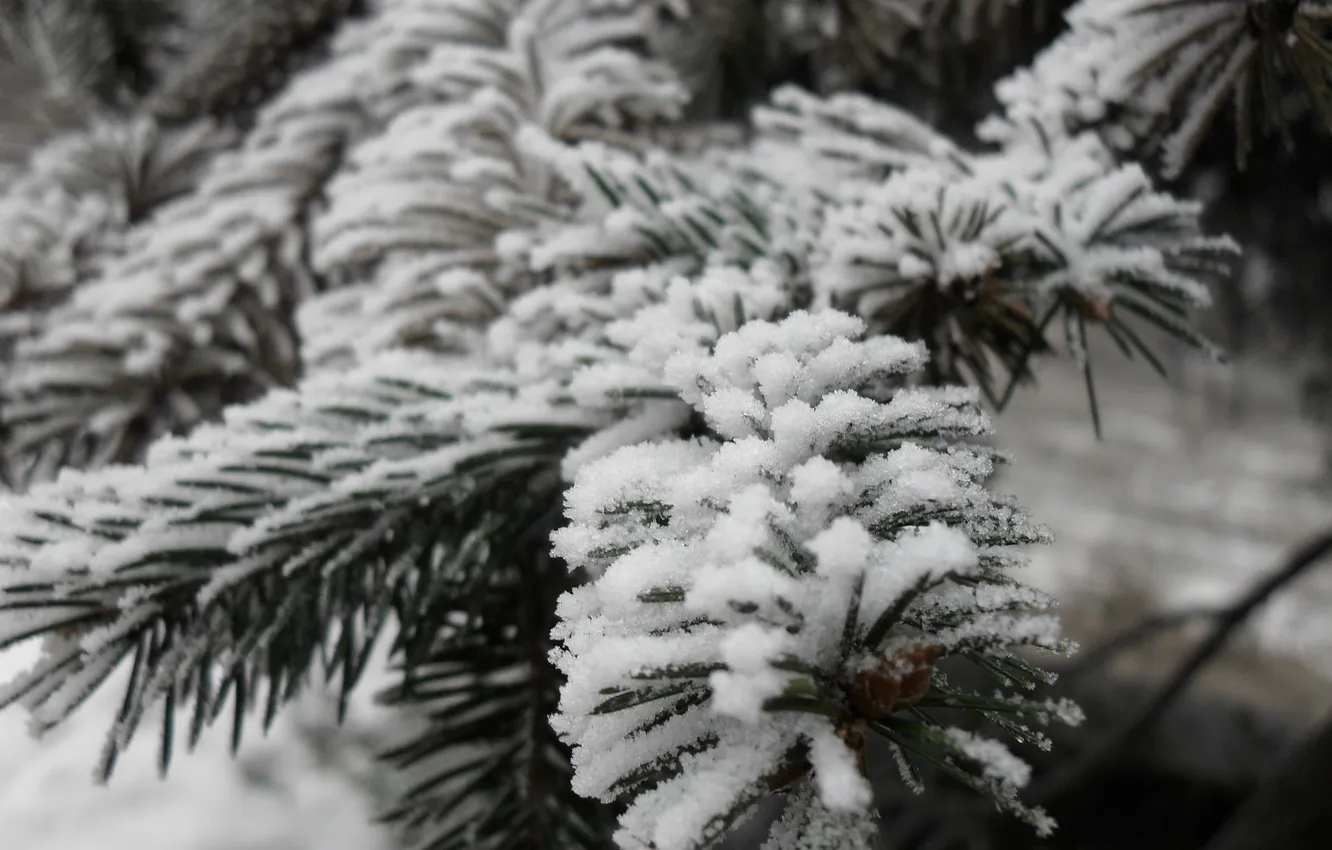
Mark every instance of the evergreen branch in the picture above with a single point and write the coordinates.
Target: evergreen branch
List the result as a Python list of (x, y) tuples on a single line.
[(430, 268), (1154, 75), (705, 655), (258, 551), (489, 771), (196, 313), (242, 65), (67, 214), (869, 139), (781, 531), (966, 255), (278, 544)]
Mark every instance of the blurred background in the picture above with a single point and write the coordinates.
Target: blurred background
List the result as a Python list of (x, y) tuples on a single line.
[(1200, 486)]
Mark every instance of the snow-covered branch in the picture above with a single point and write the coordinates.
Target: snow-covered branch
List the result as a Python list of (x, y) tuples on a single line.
[(195, 313), (451, 281), (416, 225), (768, 595), (1152, 76)]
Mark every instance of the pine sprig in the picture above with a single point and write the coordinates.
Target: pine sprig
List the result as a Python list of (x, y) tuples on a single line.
[(253, 53), (1154, 76), (66, 214), (1117, 254), (978, 255), (297, 524), (429, 269), (279, 543), (273, 547), (197, 312), (863, 138), (489, 771), (758, 609), (929, 257)]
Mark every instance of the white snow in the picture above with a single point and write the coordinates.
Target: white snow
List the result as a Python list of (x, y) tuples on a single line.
[(842, 787), (278, 795), (680, 529), (740, 690)]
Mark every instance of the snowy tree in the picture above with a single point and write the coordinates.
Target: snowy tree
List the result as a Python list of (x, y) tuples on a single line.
[(654, 442)]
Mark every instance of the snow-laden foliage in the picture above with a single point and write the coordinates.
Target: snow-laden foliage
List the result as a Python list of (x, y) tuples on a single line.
[(66, 214), (1109, 245), (502, 270), (197, 313), (305, 483), (924, 255), (858, 137), (356, 479), (384, 481), (176, 60), (250, 50), (767, 595), (977, 253), (849, 41), (400, 176), (240, 516), (193, 314), (410, 237), (1157, 75), (392, 484)]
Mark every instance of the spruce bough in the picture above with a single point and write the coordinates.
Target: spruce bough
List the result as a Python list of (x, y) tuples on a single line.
[(658, 454)]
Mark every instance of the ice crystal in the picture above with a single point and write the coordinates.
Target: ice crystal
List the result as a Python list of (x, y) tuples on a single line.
[(772, 592)]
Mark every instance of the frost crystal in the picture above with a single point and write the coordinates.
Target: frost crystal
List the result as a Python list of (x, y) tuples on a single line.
[(771, 593), (482, 259)]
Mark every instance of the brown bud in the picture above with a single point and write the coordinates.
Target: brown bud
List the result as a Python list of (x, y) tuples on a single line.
[(898, 681), (1096, 309)]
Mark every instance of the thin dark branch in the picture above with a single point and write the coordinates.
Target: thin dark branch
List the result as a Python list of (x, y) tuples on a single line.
[(1112, 742), (1142, 631)]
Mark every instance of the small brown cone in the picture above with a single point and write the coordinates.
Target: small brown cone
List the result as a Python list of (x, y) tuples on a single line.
[(898, 681)]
